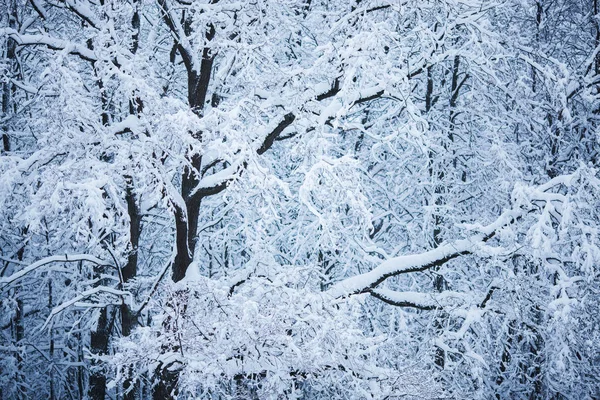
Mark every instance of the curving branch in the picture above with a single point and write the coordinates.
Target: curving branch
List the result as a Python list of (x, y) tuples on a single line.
[(50, 42), (100, 289), (421, 301), (364, 283), (48, 260)]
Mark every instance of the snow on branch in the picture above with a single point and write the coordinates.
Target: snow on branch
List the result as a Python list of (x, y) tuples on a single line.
[(365, 283), (76, 300), (5, 281), (50, 42), (405, 264), (420, 262), (84, 12), (217, 182), (422, 301), (270, 138)]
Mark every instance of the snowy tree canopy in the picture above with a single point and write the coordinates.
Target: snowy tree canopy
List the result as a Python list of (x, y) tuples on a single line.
[(353, 199)]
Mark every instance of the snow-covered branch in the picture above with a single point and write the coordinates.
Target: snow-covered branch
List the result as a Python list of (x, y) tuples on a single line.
[(50, 42), (76, 300), (48, 260), (422, 301)]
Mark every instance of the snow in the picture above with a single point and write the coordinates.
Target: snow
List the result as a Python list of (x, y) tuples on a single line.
[(307, 271), (45, 261)]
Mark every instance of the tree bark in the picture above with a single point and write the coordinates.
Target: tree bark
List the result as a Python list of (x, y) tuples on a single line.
[(129, 272), (99, 346), (7, 87)]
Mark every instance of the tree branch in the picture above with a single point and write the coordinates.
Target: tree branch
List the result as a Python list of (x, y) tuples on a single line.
[(50, 42), (437, 257), (288, 119), (52, 259)]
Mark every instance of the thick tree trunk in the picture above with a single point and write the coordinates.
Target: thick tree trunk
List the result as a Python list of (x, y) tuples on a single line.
[(129, 272), (186, 221), (99, 346)]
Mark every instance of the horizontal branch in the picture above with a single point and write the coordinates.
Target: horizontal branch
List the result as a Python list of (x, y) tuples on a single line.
[(422, 301), (50, 42), (365, 283), (83, 295), (437, 257), (48, 260)]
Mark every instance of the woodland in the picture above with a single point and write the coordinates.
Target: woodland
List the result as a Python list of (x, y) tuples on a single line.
[(299, 199)]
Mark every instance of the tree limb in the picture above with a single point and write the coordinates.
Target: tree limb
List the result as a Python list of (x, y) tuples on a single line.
[(52, 259)]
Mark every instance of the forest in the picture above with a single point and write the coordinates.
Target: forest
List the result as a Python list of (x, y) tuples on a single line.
[(300, 199)]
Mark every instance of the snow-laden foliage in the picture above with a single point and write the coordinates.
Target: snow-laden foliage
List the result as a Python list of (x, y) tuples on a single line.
[(262, 337), (299, 199)]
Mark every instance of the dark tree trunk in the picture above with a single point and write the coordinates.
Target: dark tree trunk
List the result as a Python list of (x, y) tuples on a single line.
[(7, 87), (187, 214), (51, 350), (186, 221), (129, 272), (99, 346), (19, 330)]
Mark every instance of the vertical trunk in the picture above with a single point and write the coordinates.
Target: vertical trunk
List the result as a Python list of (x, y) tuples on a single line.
[(538, 21), (98, 346), (187, 214), (135, 24), (190, 180), (80, 372), (183, 257), (7, 86), (597, 39), (186, 221), (440, 355), (99, 338), (19, 333), (551, 168), (429, 92), (439, 282), (51, 349), (453, 95), (129, 272), (506, 356)]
